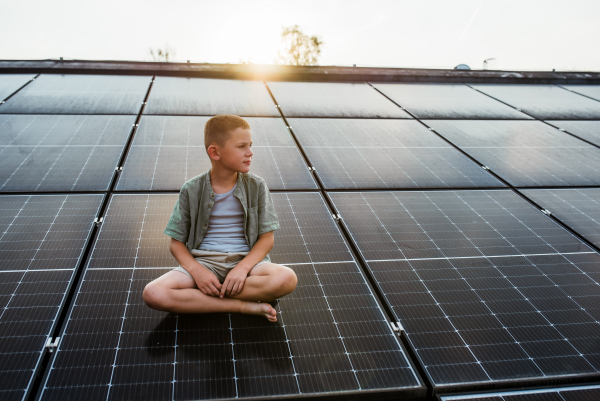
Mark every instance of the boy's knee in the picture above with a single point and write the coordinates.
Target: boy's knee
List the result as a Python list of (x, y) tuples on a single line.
[(286, 281), (155, 296)]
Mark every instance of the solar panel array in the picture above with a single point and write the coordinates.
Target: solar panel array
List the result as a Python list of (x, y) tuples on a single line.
[(42, 238), (465, 215), (331, 335)]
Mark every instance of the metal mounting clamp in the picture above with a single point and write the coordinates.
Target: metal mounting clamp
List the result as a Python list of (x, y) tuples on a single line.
[(486, 168), (51, 345), (546, 212), (397, 327), (98, 220)]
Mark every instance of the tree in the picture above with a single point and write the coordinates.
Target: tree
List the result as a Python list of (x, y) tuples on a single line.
[(163, 54), (298, 48)]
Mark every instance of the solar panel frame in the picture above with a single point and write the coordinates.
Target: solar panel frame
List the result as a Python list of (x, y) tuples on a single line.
[(464, 360), (60, 94), (114, 293), (581, 393), (543, 156), (543, 101), (578, 208), (59, 281), (347, 100), (587, 130), (10, 83), (592, 91), (384, 154), (54, 153), (186, 96), (447, 101), (157, 161)]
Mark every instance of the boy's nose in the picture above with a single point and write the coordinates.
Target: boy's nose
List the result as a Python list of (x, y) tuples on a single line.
[(249, 153)]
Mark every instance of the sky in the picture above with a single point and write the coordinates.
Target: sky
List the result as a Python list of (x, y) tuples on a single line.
[(519, 35)]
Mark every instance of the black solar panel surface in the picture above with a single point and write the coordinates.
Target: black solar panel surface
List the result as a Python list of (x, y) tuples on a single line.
[(487, 288), (311, 99), (60, 152), (525, 153), (80, 94), (168, 151), (41, 241), (577, 208), (10, 83), (207, 97), (592, 91), (588, 130), (447, 101), (362, 153), (582, 393), (330, 336), (544, 101)]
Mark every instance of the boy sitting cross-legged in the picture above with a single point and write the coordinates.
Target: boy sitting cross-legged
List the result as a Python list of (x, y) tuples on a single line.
[(221, 231)]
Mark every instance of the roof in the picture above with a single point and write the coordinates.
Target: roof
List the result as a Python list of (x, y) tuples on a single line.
[(443, 225)]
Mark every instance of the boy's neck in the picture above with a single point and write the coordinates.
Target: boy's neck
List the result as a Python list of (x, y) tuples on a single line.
[(222, 180)]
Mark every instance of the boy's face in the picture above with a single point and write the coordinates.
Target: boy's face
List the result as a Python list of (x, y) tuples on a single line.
[(236, 154)]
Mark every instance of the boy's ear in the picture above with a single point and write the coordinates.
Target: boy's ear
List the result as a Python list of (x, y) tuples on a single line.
[(213, 152)]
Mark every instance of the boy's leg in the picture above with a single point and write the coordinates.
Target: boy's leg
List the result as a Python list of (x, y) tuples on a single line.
[(177, 292), (267, 282)]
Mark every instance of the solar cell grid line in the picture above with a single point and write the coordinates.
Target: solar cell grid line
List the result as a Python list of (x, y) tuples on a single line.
[(36, 270), (592, 91), (543, 101), (10, 83), (347, 100), (79, 94), (587, 130), (524, 311), (113, 341), (577, 208), (579, 393), (208, 97), (449, 101), (525, 153), (60, 153), (385, 154), (167, 151)]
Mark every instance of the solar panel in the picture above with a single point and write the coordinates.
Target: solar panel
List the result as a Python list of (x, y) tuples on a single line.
[(60, 152), (41, 241), (447, 101), (544, 101), (577, 208), (579, 393), (487, 288), (10, 83), (311, 99), (588, 130), (80, 94), (525, 153), (587, 90), (208, 97), (168, 151), (359, 153), (331, 335)]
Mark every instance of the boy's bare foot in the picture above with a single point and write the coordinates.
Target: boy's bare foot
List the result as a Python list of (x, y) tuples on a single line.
[(260, 309)]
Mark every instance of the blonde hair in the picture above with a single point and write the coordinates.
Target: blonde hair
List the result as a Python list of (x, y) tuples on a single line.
[(217, 129)]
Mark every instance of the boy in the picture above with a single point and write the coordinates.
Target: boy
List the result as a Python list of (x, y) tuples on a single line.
[(221, 231)]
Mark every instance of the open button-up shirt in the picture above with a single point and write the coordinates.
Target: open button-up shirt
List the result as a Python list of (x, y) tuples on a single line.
[(189, 221)]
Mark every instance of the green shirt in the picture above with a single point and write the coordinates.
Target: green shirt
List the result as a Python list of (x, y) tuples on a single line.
[(189, 220)]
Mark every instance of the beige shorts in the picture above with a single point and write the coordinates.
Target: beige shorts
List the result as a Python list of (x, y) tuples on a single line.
[(220, 263)]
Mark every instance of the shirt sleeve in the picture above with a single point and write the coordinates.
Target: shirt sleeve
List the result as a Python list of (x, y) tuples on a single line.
[(267, 217), (178, 226)]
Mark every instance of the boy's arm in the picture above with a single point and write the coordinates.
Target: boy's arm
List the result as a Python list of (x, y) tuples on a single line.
[(206, 281), (234, 282)]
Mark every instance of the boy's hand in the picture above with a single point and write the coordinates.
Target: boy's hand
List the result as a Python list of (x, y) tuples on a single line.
[(234, 281), (206, 281)]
